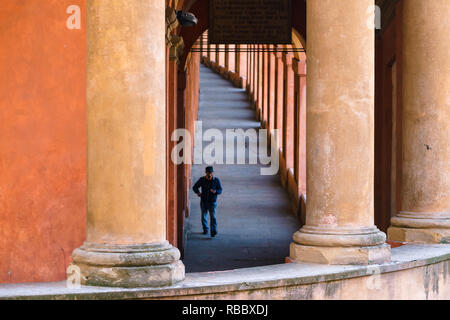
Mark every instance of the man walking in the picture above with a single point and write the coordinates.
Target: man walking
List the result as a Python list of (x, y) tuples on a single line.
[(211, 187)]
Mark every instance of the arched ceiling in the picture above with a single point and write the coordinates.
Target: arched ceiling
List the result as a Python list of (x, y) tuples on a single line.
[(200, 8)]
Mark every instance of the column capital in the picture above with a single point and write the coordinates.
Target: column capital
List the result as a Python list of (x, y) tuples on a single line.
[(176, 47), (171, 19), (173, 41)]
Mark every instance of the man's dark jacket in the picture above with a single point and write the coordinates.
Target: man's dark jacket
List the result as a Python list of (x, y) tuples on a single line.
[(207, 185)]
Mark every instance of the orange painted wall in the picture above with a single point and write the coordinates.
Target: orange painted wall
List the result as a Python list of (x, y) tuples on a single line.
[(42, 139)]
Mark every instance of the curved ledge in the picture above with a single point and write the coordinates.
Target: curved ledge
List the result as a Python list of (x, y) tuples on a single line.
[(240, 282)]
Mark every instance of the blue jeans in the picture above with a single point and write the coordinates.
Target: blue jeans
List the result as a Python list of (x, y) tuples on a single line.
[(211, 207)]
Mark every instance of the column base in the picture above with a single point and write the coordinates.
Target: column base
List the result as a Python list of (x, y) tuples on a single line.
[(404, 234), (341, 255), (145, 265), (340, 246), (420, 227)]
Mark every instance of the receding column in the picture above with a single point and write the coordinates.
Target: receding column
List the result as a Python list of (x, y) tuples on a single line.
[(248, 72), (205, 45), (425, 194), (201, 46), (221, 55), (299, 68), (253, 79), (271, 89), (241, 65), (260, 83), (279, 72), (288, 110), (254, 94), (208, 53), (172, 118), (340, 138), (126, 199), (231, 63), (213, 48), (265, 86)]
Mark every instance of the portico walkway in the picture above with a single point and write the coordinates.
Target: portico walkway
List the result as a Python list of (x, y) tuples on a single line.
[(255, 220)]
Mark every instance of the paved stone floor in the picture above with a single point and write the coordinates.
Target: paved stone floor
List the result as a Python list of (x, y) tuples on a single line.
[(254, 216)]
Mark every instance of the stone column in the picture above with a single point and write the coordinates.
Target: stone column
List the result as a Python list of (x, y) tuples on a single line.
[(204, 44), (172, 196), (253, 78), (260, 83), (279, 72), (250, 72), (299, 68), (425, 194), (288, 123), (126, 202), (213, 51), (209, 54), (265, 86), (221, 55), (227, 57), (231, 58), (340, 138), (181, 170), (254, 94), (241, 62), (271, 89)]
